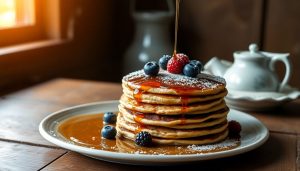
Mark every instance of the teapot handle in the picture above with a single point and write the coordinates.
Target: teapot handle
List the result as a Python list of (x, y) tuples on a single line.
[(283, 57)]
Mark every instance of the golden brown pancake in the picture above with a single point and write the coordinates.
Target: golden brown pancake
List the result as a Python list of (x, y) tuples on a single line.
[(171, 109), (174, 84), (208, 139), (170, 120), (163, 132), (168, 99), (210, 122)]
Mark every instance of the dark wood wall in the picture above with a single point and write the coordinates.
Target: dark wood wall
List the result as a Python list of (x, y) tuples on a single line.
[(217, 28), (104, 30), (282, 32)]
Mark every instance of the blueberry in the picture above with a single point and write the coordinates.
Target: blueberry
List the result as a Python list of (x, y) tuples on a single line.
[(190, 70), (143, 138), (198, 63), (108, 132), (151, 68), (110, 118), (163, 61)]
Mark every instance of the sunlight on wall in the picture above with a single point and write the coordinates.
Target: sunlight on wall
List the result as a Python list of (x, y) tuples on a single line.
[(15, 13), (7, 13)]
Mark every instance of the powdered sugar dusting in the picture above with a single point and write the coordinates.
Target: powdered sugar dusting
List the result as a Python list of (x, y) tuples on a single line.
[(227, 144), (202, 81)]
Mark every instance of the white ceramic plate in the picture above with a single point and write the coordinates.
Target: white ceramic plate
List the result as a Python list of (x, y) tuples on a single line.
[(253, 134), (260, 101)]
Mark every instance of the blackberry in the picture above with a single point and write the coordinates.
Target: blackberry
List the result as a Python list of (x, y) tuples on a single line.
[(234, 129), (143, 138)]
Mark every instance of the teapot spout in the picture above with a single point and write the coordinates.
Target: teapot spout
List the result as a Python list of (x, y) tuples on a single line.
[(217, 67)]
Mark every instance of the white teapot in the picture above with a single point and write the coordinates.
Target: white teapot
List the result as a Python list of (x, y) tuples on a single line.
[(252, 70)]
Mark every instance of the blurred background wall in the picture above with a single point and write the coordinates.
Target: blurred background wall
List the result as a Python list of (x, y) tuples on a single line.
[(103, 30)]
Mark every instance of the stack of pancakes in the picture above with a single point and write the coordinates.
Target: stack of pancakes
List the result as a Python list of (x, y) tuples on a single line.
[(173, 108)]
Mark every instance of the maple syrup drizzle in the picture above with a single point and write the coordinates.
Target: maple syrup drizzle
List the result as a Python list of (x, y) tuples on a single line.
[(163, 80), (138, 117), (140, 126), (137, 94), (85, 130), (144, 87), (184, 103), (182, 119), (176, 26)]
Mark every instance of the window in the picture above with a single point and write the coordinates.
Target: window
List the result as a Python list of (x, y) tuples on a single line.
[(23, 21), (16, 13)]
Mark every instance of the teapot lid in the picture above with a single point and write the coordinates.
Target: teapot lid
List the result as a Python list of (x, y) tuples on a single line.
[(252, 53)]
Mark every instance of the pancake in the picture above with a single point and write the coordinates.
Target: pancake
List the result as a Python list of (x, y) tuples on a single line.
[(175, 84), (171, 109), (163, 132), (208, 123), (170, 120), (168, 99), (208, 139)]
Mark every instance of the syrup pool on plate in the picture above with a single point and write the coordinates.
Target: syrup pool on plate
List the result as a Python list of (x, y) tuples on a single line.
[(85, 130)]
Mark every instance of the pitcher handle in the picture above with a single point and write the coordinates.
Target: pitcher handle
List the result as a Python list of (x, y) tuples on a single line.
[(283, 57)]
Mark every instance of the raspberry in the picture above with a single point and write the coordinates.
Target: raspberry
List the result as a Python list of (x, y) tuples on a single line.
[(183, 57), (143, 138), (176, 63), (234, 128)]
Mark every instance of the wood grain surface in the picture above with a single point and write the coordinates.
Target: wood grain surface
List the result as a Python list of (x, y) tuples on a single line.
[(22, 148), (284, 119), (17, 156), (283, 158)]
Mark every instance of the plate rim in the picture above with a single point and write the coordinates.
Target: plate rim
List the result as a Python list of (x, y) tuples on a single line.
[(146, 158)]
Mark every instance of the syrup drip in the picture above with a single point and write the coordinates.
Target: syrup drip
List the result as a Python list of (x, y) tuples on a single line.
[(144, 87), (184, 103), (84, 130), (182, 119), (137, 95), (138, 117), (181, 84), (139, 128), (176, 26)]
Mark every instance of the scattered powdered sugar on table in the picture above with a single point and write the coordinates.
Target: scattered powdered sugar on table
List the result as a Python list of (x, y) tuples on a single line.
[(227, 144)]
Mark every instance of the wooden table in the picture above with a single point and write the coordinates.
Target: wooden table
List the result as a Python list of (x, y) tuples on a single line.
[(23, 148)]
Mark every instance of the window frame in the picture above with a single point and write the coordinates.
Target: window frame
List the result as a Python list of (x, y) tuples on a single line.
[(27, 33)]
